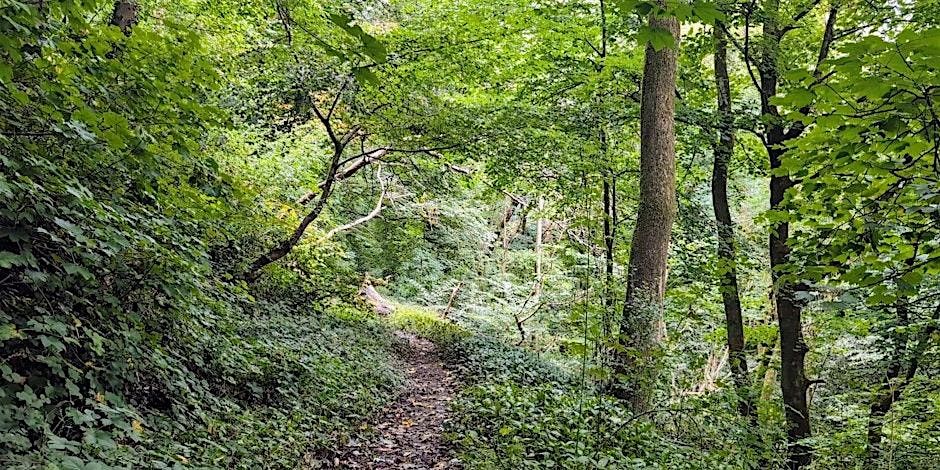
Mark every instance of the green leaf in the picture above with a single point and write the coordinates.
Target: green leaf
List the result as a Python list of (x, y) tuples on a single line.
[(644, 8), (374, 49), (72, 269), (6, 73), (707, 12), (659, 38), (364, 75), (332, 51), (912, 279), (81, 131), (8, 331), (798, 97), (893, 125), (343, 20), (8, 260)]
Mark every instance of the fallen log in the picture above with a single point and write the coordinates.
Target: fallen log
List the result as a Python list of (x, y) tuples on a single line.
[(375, 299)]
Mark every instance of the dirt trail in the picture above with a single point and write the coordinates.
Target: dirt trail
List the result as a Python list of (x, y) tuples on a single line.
[(408, 432)]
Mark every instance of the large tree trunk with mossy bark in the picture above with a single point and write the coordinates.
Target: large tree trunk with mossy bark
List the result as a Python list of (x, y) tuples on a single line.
[(641, 328)]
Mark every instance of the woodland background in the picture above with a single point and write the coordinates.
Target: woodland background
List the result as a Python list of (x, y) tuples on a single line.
[(192, 194)]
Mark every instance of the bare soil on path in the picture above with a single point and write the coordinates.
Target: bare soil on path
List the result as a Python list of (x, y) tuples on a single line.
[(408, 432)]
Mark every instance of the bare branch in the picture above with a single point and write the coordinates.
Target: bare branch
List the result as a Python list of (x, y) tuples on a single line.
[(336, 99), (367, 217), (363, 160), (824, 49), (327, 126), (744, 50)]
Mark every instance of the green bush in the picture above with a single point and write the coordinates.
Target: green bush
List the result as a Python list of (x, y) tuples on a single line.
[(125, 340), (428, 324), (482, 359), (504, 425), (520, 410), (290, 382)]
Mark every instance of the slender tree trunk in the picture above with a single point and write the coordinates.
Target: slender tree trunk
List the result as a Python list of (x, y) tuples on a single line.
[(539, 233), (893, 384), (285, 246), (340, 142), (793, 381), (727, 265), (793, 348), (608, 257), (888, 392), (641, 328), (609, 199), (453, 297), (500, 233)]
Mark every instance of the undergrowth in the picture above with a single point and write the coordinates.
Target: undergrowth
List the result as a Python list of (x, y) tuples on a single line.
[(519, 410), (240, 383)]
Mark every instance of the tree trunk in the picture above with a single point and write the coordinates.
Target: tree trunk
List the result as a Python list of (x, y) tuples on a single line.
[(453, 297), (641, 328), (609, 199), (285, 246), (793, 349), (124, 15), (500, 235), (346, 172), (539, 232), (891, 387), (727, 265), (888, 392), (608, 258)]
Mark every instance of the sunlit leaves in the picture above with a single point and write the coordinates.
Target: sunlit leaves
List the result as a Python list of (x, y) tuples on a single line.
[(659, 38), (371, 47), (868, 151)]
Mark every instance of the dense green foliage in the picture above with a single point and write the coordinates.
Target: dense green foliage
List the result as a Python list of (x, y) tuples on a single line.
[(480, 159), (123, 343)]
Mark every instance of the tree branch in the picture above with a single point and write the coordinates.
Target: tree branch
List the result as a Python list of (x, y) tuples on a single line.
[(367, 217), (744, 50), (799, 16), (336, 99)]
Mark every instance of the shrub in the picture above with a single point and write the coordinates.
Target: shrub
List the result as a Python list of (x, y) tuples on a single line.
[(504, 425), (428, 324)]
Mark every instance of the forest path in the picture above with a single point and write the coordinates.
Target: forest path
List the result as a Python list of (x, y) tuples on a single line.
[(408, 432)]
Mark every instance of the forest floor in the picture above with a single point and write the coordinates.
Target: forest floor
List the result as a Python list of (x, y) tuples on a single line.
[(408, 433)]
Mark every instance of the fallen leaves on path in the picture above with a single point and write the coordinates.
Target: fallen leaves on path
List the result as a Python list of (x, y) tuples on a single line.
[(408, 433)]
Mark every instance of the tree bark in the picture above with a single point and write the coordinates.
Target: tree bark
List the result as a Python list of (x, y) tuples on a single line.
[(727, 265), (609, 197), (500, 236), (453, 297), (339, 142), (889, 391), (371, 215), (608, 228), (346, 172), (124, 15), (641, 327), (793, 348), (539, 232)]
